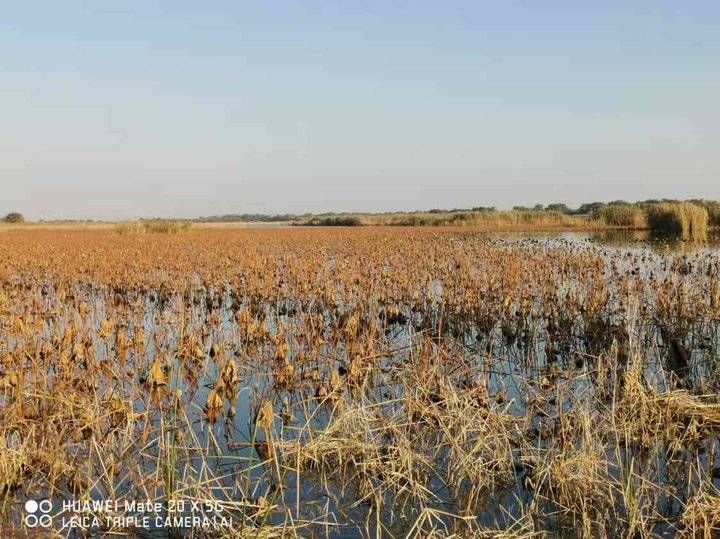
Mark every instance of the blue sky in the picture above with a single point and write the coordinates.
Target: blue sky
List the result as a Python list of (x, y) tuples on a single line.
[(127, 109)]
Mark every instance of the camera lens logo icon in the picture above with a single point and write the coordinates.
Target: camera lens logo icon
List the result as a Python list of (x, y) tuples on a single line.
[(38, 513)]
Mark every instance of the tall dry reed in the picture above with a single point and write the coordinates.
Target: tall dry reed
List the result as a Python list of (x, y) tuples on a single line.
[(622, 216), (683, 219)]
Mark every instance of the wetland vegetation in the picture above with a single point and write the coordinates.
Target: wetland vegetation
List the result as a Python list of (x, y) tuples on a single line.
[(392, 382)]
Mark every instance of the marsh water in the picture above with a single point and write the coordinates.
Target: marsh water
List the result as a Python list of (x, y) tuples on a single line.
[(517, 362)]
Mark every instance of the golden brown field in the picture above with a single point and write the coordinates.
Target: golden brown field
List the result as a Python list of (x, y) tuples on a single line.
[(390, 382)]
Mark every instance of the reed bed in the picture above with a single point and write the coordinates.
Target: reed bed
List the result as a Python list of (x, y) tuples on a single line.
[(686, 220), (713, 214), (495, 220), (485, 220), (365, 382), (622, 216)]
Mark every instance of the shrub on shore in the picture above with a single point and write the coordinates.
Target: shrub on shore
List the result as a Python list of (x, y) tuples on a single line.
[(14, 217), (683, 219)]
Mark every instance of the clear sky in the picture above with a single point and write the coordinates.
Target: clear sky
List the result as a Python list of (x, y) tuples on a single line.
[(125, 109)]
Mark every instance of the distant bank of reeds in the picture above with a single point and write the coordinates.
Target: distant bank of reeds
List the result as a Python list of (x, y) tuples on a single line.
[(483, 219), (688, 220), (491, 219), (685, 220), (159, 226)]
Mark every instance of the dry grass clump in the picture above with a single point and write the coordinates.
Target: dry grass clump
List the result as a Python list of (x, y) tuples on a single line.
[(130, 227), (579, 484), (363, 450), (621, 216), (645, 415), (685, 220), (434, 523), (701, 517), (13, 466), (388, 453)]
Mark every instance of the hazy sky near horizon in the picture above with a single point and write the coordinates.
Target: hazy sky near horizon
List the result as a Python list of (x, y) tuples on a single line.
[(126, 109)]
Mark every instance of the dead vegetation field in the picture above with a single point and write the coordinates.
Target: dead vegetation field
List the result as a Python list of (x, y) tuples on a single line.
[(364, 382)]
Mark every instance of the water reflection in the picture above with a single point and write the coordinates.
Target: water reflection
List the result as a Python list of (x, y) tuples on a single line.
[(619, 238), (656, 242)]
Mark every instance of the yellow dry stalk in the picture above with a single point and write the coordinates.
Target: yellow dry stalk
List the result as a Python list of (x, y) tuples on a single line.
[(351, 326), (265, 416), (156, 377), (701, 517), (138, 341), (106, 328)]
